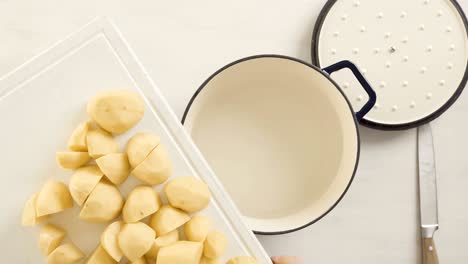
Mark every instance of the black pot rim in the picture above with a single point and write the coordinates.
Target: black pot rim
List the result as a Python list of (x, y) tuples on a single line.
[(198, 91), (382, 126)]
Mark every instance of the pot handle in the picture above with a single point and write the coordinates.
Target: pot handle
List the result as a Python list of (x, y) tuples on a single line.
[(372, 96)]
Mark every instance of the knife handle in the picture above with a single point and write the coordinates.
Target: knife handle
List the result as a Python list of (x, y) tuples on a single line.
[(429, 251)]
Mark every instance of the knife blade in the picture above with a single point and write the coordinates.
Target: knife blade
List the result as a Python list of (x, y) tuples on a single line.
[(427, 193)]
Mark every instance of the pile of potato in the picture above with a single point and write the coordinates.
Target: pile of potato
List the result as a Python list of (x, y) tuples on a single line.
[(99, 170)]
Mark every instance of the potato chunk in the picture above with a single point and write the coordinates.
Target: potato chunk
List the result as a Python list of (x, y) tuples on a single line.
[(65, 254), (141, 202), (205, 260), (54, 197), (187, 193), (141, 260), (100, 143), (197, 228), (83, 182), (243, 260), (215, 245), (29, 217), (115, 166), (100, 256), (181, 252), (140, 146), (116, 111), (135, 240), (49, 238), (156, 168), (72, 160), (162, 241), (77, 140), (104, 203), (168, 218), (109, 240)]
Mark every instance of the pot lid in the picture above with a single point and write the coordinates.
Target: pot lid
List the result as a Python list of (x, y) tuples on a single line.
[(413, 53)]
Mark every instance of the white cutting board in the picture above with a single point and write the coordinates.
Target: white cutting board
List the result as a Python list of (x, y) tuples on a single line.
[(44, 100)]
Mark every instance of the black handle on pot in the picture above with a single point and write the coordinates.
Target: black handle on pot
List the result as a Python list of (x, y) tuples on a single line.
[(372, 96)]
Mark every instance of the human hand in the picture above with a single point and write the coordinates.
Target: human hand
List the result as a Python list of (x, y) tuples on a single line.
[(286, 260)]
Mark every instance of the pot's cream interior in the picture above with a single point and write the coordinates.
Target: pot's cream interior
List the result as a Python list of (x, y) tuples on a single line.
[(280, 137)]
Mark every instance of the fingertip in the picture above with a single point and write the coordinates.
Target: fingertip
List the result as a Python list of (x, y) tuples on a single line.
[(286, 260)]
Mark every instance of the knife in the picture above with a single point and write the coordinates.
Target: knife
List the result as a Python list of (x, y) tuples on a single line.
[(427, 194)]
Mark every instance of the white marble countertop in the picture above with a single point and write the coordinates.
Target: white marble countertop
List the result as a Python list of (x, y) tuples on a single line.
[(182, 42)]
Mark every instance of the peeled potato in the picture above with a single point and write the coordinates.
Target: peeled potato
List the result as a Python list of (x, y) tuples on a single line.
[(104, 203), (243, 260), (140, 146), (77, 140), (141, 260), (54, 197), (187, 193), (100, 143), (162, 241), (100, 256), (141, 202), (49, 238), (181, 252), (65, 254), (109, 240), (215, 245), (29, 217), (135, 240), (205, 260), (72, 160), (197, 228), (156, 168), (168, 218), (83, 182), (116, 111), (115, 166)]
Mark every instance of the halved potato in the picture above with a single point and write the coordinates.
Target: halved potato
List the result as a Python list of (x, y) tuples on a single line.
[(156, 168), (116, 111), (100, 256), (140, 146), (100, 143), (29, 217), (77, 140), (135, 240), (49, 238), (181, 252), (72, 160), (141, 260), (104, 203), (162, 241), (205, 260), (83, 182), (187, 193), (197, 228), (215, 245), (109, 240), (243, 260), (141, 202), (168, 218), (65, 254), (54, 197), (115, 166)]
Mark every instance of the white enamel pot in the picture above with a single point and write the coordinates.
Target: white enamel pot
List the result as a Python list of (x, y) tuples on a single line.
[(281, 137)]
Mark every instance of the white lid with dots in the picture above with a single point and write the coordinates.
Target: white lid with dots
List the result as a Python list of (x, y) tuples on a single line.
[(413, 53)]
